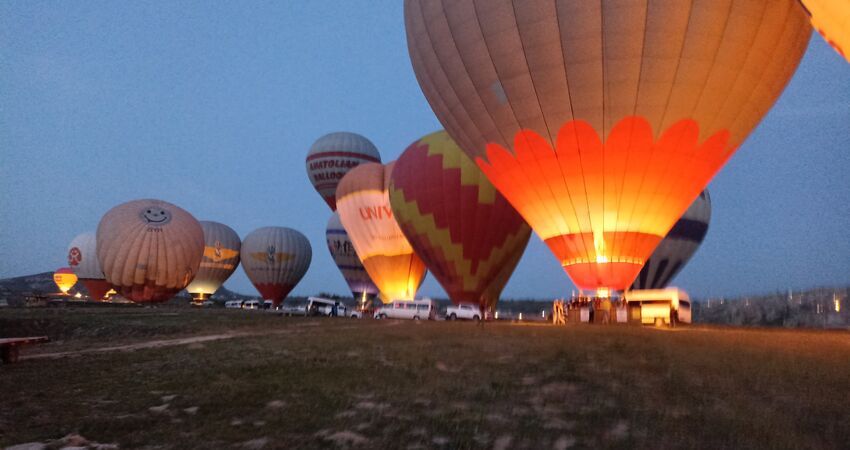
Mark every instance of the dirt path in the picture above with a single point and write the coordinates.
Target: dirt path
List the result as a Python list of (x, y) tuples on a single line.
[(168, 342)]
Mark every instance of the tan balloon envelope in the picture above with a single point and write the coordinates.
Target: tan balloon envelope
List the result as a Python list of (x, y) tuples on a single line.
[(221, 257), (601, 122), (275, 259), (364, 208), (148, 249)]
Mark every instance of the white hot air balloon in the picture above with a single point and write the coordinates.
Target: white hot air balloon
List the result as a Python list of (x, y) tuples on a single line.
[(82, 259), (332, 156)]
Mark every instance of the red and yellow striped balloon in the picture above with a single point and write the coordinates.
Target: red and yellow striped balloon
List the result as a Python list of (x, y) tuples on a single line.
[(463, 229)]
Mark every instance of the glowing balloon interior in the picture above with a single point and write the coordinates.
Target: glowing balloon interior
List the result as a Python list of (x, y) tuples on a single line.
[(602, 121), (343, 253), (677, 247), (65, 279), (364, 209), (221, 257)]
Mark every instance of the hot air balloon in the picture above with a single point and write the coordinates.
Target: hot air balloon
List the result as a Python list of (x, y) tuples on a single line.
[(601, 122), (275, 259), (221, 256), (343, 254), (831, 18), (149, 250), (493, 291), (82, 259), (454, 219), (677, 247), (65, 279), (332, 156), (365, 212)]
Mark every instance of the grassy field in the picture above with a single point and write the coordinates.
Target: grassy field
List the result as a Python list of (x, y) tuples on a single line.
[(273, 382)]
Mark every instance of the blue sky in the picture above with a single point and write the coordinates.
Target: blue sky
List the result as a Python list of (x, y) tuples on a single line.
[(213, 106)]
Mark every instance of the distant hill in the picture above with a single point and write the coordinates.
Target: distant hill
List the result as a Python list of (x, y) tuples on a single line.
[(38, 284)]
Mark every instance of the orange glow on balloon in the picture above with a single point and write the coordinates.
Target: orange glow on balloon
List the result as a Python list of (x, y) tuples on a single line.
[(603, 207)]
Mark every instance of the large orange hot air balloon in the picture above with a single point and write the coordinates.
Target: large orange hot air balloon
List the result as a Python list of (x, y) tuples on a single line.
[(221, 256), (275, 259), (602, 121), (82, 258), (456, 221), (364, 208), (65, 279), (831, 18), (332, 156), (149, 250)]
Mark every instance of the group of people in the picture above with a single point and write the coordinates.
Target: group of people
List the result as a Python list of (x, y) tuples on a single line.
[(586, 309)]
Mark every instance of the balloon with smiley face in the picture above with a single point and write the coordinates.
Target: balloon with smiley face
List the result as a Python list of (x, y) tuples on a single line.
[(149, 250), (275, 259), (82, 259)]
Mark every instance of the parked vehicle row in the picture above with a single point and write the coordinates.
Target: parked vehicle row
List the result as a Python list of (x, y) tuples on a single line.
[(317, 306), (245, 304), (422, 309)]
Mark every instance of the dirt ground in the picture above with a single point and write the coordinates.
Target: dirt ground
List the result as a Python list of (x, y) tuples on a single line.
[(180, 378)]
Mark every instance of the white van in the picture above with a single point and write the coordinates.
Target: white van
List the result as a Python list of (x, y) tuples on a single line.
[(318, 306), (658, 306), (408, 309), (233, 304), (251, 304)]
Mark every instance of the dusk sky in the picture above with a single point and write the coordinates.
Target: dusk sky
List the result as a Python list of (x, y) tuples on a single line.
[(213, 107)]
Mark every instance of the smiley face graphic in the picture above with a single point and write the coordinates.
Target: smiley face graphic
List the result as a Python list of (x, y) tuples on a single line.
[(154, 215)]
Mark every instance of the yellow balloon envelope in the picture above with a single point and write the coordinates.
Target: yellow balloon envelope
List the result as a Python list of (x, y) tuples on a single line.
[(363, 203)]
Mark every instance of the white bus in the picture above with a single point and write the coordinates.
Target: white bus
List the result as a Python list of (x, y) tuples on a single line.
[(658, 306), (423, 309)]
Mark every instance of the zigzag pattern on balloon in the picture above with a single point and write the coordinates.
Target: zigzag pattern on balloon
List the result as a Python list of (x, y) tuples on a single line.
[(453, 217)]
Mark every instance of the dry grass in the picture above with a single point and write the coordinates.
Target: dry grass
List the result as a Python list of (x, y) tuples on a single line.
[(306, 383)]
